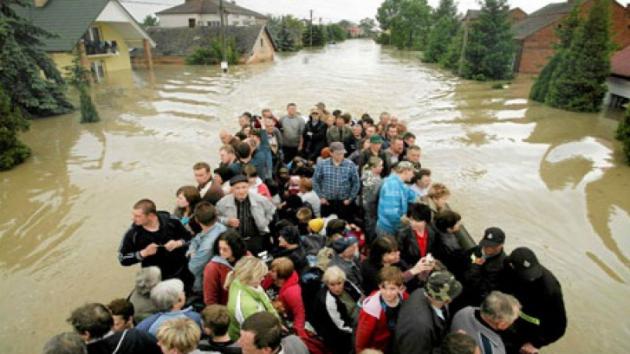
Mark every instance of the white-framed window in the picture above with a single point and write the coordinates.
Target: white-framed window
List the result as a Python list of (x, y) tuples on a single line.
[(98, 70)]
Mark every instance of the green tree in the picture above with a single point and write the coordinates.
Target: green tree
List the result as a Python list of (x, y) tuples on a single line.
[(212, 54), (319, 35), (27, 74), (386, 13), (409, 29), (336, 33), (150, 21), (367, 25), (285, 39), (579, 81), (452, 57), (444, 29), (623, 134), (12, 150), (80, 79), (489, 52), (565, 33)]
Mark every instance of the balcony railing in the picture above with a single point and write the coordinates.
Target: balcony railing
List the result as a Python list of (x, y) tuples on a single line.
[(101, 47)]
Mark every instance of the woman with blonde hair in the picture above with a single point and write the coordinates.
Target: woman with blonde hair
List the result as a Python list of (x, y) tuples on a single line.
[(178, 336), (246, 295), (437, 197)]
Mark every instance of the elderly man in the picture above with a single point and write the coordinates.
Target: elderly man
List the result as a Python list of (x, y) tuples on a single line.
[(247, 212), (394, 199), (93, 322), (413, 155), (424, 318), (156, 239), (336, 181), (497, 313), (376, 142), (168, 296)]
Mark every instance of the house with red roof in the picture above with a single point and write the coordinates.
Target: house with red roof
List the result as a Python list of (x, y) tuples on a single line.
[(619, 80)]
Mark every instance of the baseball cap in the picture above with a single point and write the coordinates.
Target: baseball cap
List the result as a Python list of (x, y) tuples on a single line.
[(376, 139), (337, 146), (342, 243), (238, 179), (493, 236), (525, 264), (442, 286)]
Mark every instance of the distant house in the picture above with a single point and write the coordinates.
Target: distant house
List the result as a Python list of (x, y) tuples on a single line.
[(516, 15), (619, 80), (205, 13), (174, 44), (536, 35), (102, 30)]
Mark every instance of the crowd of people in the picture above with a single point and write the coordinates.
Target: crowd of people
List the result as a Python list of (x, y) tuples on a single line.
[(318, 234)]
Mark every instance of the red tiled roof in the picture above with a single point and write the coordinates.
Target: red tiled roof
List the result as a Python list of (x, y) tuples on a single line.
[(620, 63)]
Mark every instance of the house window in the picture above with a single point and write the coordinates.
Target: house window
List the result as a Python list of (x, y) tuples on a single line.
[(191, 22), (214, 24), (98, 70), (95, 34)]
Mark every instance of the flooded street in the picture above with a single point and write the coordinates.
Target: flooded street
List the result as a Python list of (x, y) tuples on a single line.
[(554, 181)]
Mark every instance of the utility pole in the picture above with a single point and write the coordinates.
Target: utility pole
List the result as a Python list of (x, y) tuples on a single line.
[(311, 28), (224, 63)]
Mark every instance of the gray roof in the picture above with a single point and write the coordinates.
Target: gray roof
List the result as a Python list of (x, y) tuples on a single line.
[(541, 19), (182, 41), (209, 7), (67, 19)]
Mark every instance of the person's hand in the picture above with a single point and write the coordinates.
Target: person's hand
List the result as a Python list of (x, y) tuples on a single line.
[(479, 261), (173, 244), (323, 201), (528, 348), (149, 250), (233, 222), (347, 202), (423, 266)]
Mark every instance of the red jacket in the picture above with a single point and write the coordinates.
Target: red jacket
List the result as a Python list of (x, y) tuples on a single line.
[(214, 275), (372, 331), (290, 294)]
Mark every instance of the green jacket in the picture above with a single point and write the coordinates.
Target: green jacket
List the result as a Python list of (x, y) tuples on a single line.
[(244, 301)]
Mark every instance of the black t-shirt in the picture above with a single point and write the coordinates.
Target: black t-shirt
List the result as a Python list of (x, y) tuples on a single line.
[(131, 341), (225, 348)]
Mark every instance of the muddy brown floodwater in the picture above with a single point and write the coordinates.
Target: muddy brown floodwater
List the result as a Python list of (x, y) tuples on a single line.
[(553, 180)]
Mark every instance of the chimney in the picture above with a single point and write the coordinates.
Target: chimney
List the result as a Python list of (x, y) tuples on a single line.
[(40, 3)]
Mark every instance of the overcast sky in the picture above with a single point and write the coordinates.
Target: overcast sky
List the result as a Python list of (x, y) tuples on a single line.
[(328, 10)]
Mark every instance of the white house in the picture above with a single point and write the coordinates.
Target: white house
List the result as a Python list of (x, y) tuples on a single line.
[(205, 13)]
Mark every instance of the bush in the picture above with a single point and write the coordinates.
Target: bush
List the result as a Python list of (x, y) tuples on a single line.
[(623, 134), (12, 151), (212, 54), (88, 110)]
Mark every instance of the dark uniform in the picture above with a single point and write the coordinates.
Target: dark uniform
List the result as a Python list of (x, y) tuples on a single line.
[(543, 318)]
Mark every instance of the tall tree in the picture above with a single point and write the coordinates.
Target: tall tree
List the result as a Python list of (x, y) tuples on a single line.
[(410, 27), (27, 74), (489, 52), (579, 82), (150, 21), (12, 150), (444, 29), (319, 33), (386, 13), (367, 25), (80, 79), (452, 57), (623, 134), (565, 33), (285, 40), (334, 32)]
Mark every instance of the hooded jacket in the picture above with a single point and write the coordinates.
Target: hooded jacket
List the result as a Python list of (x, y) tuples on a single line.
[(214, 275), (290, 295), (372, 330), (244, 301)]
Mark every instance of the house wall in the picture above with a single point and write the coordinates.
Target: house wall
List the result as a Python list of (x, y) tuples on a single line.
[(262, 52), (538, 48), (111, 63), (181, 20), (619, 86)]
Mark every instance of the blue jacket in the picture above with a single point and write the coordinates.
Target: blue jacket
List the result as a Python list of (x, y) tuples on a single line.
[(262, 158), (201, 252), (152, 323), (393, 201)]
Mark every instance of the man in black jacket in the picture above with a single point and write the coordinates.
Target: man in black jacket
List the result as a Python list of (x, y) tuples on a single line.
[(93, 322), (156, 239), (486, 267), (543, 318), (424, 319)]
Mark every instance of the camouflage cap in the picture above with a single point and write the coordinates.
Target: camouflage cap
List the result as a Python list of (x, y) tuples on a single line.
[(442, 286)]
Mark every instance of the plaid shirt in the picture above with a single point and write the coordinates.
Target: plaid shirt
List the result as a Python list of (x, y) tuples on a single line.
[(336, 182)]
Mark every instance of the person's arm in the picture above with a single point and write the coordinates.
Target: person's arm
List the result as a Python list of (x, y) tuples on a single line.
[(554, 322), (317, 180), (200, 258), (365, 331), (127, 255), (278, 134), (294, 304), (335, 315), (211, 285)]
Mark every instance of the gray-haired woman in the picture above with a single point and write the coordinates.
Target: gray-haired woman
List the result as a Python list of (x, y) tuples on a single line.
[(146, 279)]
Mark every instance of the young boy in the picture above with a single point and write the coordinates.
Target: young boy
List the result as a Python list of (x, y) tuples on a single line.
[(216, 321), (122, 313), (379, 313)]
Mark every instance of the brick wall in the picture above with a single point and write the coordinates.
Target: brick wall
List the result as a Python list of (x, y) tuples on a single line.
[(538, 48)]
